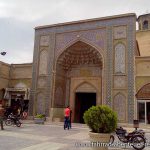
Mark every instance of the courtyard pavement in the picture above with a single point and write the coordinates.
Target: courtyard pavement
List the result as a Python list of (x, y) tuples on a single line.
[(50, 136)]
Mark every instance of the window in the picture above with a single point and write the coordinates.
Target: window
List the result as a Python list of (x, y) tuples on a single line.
[(145, 25)]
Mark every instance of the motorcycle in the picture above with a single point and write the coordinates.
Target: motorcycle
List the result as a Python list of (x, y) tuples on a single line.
[(136, 138), (13, 120)]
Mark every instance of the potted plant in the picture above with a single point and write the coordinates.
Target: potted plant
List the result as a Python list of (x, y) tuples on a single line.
[(39, 119), (102, 120)]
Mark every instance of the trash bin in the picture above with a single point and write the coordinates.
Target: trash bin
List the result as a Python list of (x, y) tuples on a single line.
[(136, 124)]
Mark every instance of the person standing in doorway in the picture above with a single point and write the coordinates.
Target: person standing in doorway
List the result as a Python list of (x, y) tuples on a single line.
[(66, 118), (1, 116)]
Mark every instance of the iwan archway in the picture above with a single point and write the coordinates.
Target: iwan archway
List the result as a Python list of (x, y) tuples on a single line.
[(79, 71)]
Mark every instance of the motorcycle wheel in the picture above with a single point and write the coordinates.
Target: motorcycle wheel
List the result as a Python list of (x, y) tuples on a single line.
[(8, 122), (138, 142), (18, 123), (111, 140)]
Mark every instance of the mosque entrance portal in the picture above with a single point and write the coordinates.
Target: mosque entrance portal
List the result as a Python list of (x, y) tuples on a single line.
[(78, 79)]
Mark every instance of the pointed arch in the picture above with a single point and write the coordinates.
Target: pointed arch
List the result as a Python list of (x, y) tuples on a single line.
[(120, 58), (119, 105), (40, 104), (64, 76), (145, 24), (43, 62), (85, 86), (144, 92), (20, 85), (59, 97), (99, 50)]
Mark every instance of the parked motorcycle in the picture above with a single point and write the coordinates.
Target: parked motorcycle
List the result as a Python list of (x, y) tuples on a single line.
[(13, 120), (136, 138)]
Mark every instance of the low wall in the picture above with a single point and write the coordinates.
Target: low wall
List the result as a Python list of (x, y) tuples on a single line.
[(57, 114)]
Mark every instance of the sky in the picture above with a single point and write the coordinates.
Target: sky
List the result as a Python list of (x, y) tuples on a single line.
[(18, 18)]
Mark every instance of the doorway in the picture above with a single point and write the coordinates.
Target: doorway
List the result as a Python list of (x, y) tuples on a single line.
[(83, 101), (144, 111)]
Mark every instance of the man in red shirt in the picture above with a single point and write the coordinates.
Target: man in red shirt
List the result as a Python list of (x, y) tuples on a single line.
[(66, 118)]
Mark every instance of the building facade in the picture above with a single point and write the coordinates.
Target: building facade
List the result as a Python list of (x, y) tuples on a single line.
[(142, 71), (15, 85), (85, 63), (89, 62)]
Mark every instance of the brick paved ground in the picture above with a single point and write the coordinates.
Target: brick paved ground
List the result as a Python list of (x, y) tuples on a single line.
[(50, 136)]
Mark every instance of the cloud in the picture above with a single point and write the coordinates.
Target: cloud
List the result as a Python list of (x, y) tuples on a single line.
[(16, 39), (19, 17), (30, 10)]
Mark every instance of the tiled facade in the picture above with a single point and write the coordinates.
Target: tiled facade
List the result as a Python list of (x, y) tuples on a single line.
[(106, 36)]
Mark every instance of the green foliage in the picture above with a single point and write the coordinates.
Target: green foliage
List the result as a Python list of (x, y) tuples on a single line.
[(40, 116), (101, 119)]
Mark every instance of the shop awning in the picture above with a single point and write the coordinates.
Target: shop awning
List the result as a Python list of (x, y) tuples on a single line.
[(9, 91)]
